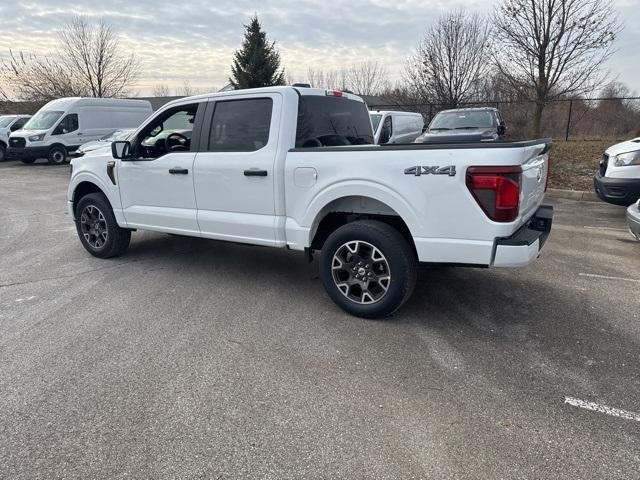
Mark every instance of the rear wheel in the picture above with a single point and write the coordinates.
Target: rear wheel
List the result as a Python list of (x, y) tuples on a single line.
[(97, 228), (368, 268), (57, 155)]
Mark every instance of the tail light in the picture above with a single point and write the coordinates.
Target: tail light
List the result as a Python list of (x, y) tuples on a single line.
[(497, 191), (334, 93)]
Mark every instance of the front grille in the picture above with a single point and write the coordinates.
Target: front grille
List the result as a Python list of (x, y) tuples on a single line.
[(603, 164), (17, 142)]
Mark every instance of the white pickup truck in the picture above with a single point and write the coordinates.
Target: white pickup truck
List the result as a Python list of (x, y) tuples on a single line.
[(296, 168)]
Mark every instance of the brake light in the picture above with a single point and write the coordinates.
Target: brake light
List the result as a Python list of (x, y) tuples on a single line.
[(334, 93), (497, 191)]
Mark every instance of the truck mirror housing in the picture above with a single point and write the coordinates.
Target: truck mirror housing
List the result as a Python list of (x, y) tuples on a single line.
[(121, 150)]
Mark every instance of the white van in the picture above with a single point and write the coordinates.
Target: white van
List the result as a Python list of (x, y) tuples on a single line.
[(62, 125), (395, 127), (8, 124)]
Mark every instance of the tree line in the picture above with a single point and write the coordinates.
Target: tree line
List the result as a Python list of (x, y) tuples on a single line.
[(533, 50)]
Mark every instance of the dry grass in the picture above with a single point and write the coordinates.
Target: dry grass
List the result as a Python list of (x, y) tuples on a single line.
[(574, 163)]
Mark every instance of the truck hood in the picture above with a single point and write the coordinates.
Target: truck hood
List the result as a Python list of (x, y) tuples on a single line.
[(27, 133), (454, 136), (624, 147)]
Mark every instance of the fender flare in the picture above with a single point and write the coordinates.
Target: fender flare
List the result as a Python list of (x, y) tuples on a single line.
[(90, 177), (376, 191)]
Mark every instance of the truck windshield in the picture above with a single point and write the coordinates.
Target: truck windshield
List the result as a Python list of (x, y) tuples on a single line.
[(462, 120), (332, 121), (43, 120), (375, 120)]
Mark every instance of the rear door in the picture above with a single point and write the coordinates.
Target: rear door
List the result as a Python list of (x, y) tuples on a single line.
[(234, 172)]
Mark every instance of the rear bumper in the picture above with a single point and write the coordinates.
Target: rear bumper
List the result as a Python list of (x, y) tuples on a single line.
[(633, 220), (619, 191), (523, 247), (27, 153)]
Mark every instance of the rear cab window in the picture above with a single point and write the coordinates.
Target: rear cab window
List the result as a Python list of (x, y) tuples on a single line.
[(326, 121), (241, 125)]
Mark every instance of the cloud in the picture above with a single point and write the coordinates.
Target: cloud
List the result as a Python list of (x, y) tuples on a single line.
[(195, 40)]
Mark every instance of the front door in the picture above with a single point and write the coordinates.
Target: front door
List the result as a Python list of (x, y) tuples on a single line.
[(156, 187), (234, 176)]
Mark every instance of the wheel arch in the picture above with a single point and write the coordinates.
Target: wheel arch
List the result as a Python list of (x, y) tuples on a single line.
[(83, 189), (350, 208)]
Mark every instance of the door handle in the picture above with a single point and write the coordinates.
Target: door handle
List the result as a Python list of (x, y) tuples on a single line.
[(178, 171), (254, 172)]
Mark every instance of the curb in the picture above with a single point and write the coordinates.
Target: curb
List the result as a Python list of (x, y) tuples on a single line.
[(576, 195)]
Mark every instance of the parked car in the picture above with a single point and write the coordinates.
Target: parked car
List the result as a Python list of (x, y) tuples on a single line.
[(633, 219), (465, 125), (618, 178), (395, 127), (104, 142), (62, 125), (8, 124), (258, 169)]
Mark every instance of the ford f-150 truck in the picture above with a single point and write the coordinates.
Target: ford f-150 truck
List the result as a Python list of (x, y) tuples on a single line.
[(297, 168)]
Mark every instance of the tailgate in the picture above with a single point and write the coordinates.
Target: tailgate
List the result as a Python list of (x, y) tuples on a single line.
[(535, 170)]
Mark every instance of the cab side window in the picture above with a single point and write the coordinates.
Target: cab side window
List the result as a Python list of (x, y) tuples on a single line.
[(169, 132), (240, 125), (67, 125)]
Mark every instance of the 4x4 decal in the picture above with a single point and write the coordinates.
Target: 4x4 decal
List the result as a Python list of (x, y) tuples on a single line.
[(423, 170)]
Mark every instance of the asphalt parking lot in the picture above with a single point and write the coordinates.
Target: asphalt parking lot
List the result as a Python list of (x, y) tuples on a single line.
[(189, 358)]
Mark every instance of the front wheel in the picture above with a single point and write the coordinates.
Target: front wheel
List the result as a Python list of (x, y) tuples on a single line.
[(368, 268), (57, 155), (3, 153), (97, 228)]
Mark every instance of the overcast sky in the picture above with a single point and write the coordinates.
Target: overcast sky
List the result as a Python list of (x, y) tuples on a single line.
[(195, 40)]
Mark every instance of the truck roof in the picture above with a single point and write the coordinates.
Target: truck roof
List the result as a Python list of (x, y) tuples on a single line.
[(303, 91)]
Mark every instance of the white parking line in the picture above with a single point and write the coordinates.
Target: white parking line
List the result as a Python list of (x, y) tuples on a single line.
[(596, 407), (606, 277), (614, 229)]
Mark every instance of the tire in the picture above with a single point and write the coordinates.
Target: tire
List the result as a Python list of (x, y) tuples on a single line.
[(27, 160), (3, 152), (97, 228), (57, 155), (385, 268)]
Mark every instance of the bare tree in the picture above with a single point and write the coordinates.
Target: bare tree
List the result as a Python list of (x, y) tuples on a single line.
[(452, 59), (368, 78), (329, 79), (161, 90), (88, 62), (29, 77), (93, 52), (554, 48)]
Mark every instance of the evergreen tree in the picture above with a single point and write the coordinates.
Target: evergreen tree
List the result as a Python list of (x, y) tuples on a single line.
[(257, 63)]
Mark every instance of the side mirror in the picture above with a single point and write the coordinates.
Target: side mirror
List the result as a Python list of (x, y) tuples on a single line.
[(502, 129), (121, 150)]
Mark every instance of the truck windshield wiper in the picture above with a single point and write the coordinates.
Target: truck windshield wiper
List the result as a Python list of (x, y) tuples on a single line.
[(468, 128), (440, 128)]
